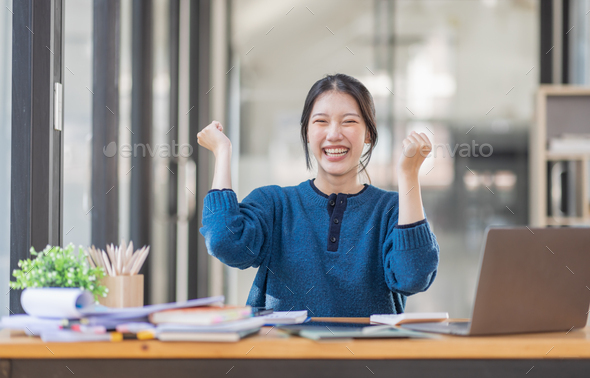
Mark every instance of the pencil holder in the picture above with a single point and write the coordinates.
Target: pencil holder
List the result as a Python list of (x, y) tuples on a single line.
[(124, 291)]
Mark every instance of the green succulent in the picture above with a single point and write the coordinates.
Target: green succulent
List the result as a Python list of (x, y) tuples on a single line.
[(59, 267)]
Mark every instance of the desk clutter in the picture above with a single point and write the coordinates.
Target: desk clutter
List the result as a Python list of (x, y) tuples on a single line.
[(382, 326), (71, 315)]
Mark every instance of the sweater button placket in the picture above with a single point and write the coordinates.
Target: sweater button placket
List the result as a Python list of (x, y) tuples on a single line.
[(336, 207), (333, 238)]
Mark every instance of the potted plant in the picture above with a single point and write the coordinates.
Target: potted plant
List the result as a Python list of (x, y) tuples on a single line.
[(59, 267)]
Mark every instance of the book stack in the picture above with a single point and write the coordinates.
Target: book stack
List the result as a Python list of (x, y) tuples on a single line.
[(206, 323), (217, 323)]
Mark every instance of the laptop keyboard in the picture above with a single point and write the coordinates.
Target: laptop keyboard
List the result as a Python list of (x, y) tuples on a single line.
[(456, 328), (459, 328), (459, 324)]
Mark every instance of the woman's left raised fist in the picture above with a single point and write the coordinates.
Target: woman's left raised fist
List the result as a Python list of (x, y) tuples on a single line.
[(416, 147)]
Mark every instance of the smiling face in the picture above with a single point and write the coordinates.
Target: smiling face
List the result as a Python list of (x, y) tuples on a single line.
[(336, 135)]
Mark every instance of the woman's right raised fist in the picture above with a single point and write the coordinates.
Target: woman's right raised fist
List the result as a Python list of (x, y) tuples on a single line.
[(213, 138)]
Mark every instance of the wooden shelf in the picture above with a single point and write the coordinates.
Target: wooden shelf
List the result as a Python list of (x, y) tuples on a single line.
[(559, 109), (557, 156), (567, 221)]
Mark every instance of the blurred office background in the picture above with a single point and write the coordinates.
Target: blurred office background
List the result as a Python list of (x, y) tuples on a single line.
[(464, 72)]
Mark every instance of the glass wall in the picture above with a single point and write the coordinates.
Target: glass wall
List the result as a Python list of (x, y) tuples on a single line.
[(5, 148), (161, 127), (579, 43), (465, 72), (77, 129), (462, 72)]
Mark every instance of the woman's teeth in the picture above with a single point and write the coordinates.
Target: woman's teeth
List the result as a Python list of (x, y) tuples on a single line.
[(336, 152)]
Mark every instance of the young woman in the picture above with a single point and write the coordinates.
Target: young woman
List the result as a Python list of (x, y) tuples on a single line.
[(329, 245)]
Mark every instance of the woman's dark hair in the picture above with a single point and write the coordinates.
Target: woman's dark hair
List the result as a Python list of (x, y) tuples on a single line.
[(349, 85)]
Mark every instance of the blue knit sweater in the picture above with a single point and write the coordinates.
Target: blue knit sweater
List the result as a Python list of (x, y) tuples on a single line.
[(336, 255)]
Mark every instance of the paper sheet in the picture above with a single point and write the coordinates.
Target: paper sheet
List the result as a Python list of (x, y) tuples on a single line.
[(137, 312), (55, 302), (32, 325), (73, 303)]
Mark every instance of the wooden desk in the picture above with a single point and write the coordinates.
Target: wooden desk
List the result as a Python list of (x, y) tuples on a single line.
[(272, 353)]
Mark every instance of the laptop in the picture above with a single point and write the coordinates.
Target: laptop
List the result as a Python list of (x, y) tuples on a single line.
[(530, 280)]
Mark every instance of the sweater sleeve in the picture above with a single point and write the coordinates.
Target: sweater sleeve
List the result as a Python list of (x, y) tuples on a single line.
[(410, 256), (238, 234)]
